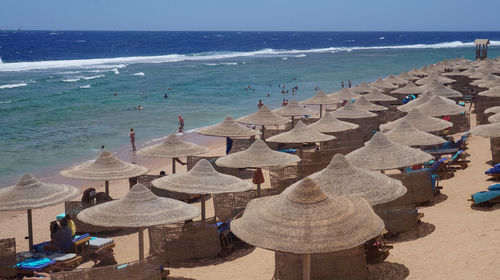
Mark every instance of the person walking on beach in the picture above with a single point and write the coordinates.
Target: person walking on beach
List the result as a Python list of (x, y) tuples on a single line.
[(132, 138), (260, 104), (342, 84), (181, 124), (349, 83)]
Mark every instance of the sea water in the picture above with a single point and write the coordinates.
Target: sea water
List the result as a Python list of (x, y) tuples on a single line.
[(63, 94)]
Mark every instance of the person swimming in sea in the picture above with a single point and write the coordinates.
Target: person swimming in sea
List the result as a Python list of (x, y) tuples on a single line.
[(165, 96), (139, 107)]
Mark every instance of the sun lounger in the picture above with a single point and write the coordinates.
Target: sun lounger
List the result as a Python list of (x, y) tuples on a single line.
[(34, 264), (493, 172), (486, 197)]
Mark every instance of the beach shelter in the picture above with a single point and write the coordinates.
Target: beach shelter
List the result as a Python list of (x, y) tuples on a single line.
[(432, 78), (405, 133), (381, 153), (329, 124), (492, 110), (379, 83), (344, 94), (263, 117), (364, 104), (173, 147), (140, 208), (395, 80), (492, 92), (491, 131), (352, 111), (469, 72), (228, 128), (377, 96), (407, 76), (293, 109), (105, 168), (444, 91), (29, 193), (202, 179), (420, 121), (305, 220), (321, 99), (301, 133), (342, 178), (258, 155), (421, 99), (416, 72), (494, 118), (439, 106), (410, 88), (364, 87)]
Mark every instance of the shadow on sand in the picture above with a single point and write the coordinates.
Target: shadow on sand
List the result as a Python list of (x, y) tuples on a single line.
[(387, 271), (422, 231), (485, 206)]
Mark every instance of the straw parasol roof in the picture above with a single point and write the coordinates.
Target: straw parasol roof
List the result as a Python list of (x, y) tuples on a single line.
[(420, 121), (258, 155), (202, 179), (329, 124), (106, 167), (416, 72), (321, 99), (492, 92), (377, 95), (303, 220), (487, 130), (429, 79), (444, 91), (301, 133), (407, 76), (342, 178), (395, 80), (410, 88), (494, 118), (139, 208), (439, 106), (484, 77), (351, 111), (492, 110), (173, 147), (263, 117), (228, 128), (344, 94), (379, 83), (362, 103), (430, 86), (405, 133), (381, 153), (293, 109), (29, 193), (362, 88), (469, 72), (421, 99), (481, 75)]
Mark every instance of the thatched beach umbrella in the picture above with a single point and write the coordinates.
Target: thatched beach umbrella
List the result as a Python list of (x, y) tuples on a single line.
[(418, 73), (432, 78), (487, 130), (305, 220), (444, 91), (405, 133), (376, 95), (258, 155), (492, 110), (420, 121), (494, 118), (439, 106), (173, 147), (342, 178), (364, 87), (381, 153), (138, 209), (301, 133), (293, 109), (228, 128), (469, 72), (29, 193), (202, 179), (263, 117), (407, 76), (421, 99), (379, 83), (351, 111), (410, 88), (395, 80), (105, 168), (362, 103), (492, 92), (329, 124), (321, 99), (344, 94)]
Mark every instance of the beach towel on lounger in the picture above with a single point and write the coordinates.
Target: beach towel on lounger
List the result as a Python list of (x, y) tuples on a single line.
[(481, 197)]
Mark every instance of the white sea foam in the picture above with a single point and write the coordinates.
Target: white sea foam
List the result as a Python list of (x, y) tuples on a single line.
[(225, 63), (71, 80), (93, 77), (138, 74), (300, 55), (120, 62), (115, 70), (6, 102), (85, 86), (13, 85)]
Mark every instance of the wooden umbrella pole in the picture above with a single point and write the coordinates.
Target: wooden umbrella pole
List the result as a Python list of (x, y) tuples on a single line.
[(173, 165), (141, 243), (320, 110), (262, 133), (30, 230), (203, 213), (106, 187), (258, 190), (293, 118), (306, 267)]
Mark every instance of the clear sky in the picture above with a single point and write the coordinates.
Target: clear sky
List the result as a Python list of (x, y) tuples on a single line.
[(263, 15)]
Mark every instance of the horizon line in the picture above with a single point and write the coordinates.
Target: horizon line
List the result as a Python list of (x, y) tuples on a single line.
[(139, 30)]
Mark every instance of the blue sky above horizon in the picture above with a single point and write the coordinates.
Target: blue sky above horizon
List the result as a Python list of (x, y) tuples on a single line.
[(255, 15)]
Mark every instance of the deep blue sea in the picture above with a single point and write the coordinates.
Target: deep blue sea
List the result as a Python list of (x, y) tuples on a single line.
[(57, 88)]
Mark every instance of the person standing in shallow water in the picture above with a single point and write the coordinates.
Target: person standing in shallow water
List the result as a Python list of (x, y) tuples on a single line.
[(181, 124), (132, 138)]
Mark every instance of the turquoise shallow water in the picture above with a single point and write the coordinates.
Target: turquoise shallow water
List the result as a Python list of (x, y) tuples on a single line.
[(63, 115)]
